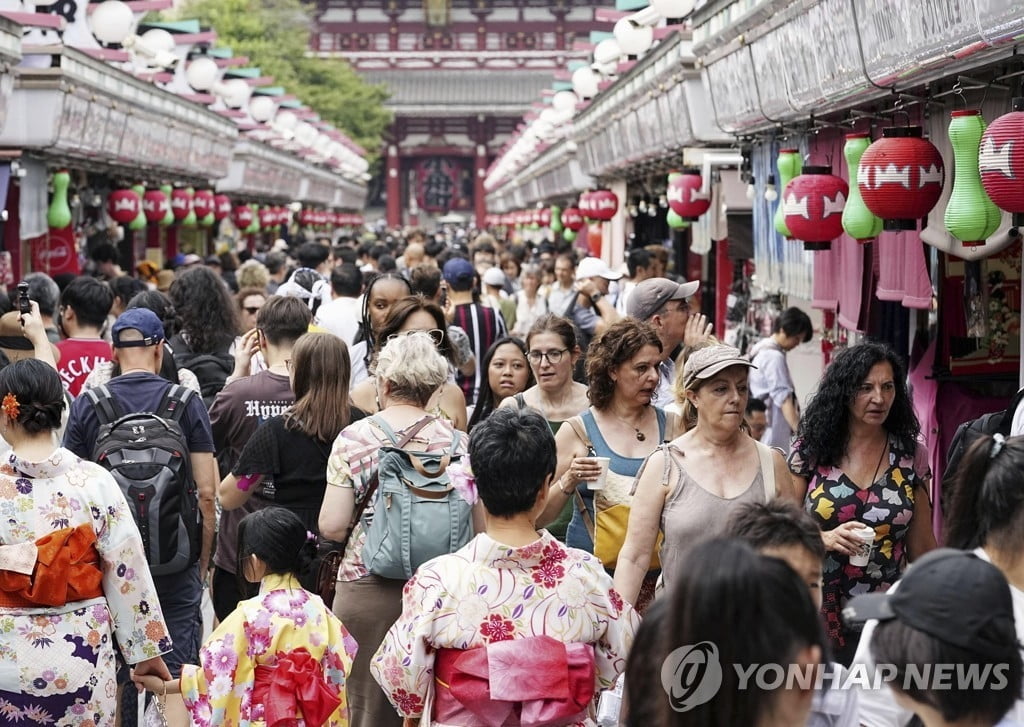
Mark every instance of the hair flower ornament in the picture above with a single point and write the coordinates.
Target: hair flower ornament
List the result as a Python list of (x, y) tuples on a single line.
[(463, 480), (11, 406)]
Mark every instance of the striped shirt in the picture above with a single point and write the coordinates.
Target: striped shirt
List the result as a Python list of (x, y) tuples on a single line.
[(354, 458), (484, 326)]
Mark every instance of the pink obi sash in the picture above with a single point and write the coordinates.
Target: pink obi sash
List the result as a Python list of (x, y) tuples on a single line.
[(295, 683), (532, 682)]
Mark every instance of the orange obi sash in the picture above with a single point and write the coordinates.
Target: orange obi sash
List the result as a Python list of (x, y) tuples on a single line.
[(59, 568), (294, 683), (531, 682)]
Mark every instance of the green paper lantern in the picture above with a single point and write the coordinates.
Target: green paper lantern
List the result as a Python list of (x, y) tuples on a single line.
[(254, 227), (556, 219), (58, 214), (675, 221), (208, 220), (168, 219), (790, 165), (190, 219), (569, 236), (858, 221), (971, 216), (139, 223)]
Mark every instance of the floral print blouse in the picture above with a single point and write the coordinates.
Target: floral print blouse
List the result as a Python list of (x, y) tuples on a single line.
[(57, 664), (487, 592), (282, 617), (887, 505)]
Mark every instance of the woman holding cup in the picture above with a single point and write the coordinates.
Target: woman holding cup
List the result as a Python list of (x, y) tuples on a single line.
[(606, 445), (864, 477)]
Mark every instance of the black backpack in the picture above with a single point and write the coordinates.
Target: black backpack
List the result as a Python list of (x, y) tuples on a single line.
[(147, 453), (211, 369), (997, 422)]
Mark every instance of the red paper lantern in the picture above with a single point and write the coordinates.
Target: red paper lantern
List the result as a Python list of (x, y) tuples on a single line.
[(812, 204), (203, 203), (684, 195), (221, 207), (603, 205), (572, 219), (545, 217), (155, 205), (283, 216), (900, 177), (1002, 162), (181, 204), (306, 217), (123, 205), (267, 217), (586, 204), (242, 216)]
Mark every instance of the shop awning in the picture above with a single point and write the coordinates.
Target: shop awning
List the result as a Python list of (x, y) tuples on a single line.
[(10, 55)]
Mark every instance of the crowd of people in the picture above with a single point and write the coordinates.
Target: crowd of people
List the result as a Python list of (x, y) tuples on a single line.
[(471, 484)]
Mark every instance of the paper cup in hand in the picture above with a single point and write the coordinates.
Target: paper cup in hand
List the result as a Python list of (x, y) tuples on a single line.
[(867, 537), (598, 484)]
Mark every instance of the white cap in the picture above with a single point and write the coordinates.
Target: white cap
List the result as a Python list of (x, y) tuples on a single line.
[(592, 267), (494, 277)]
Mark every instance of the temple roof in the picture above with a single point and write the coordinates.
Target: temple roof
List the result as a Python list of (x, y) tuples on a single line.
[(458, 92)]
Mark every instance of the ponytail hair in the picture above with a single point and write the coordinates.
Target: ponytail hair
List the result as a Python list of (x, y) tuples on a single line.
[(278, 538), (987, 505)]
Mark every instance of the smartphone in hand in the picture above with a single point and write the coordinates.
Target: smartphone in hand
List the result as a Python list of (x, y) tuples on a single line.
[(24, 304)]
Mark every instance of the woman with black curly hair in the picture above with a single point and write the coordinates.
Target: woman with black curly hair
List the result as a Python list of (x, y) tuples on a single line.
[(858, 459), (381, 293)]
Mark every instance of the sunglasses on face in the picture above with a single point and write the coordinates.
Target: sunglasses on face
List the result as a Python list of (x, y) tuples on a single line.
[(436, 335)]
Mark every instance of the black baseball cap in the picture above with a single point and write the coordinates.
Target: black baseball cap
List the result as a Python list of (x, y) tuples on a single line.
[(144, 321), (952, 595)]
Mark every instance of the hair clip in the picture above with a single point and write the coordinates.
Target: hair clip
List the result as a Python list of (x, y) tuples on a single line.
[(998, 441), (11, 406)]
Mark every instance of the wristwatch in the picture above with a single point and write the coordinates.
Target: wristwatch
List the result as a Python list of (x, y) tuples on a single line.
[(596, 297)]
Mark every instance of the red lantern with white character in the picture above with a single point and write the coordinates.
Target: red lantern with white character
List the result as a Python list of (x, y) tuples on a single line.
[(267, 217), (155, 205), (603, 205), (221, 207), (1002, 162), (544, 217), (900, 177), (812, 204), (586, 204), (572, 219), (685, 196), (123, 205), (243, 216), (181, 204), (203, 203)]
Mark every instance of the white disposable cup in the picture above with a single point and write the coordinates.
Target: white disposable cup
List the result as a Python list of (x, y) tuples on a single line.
[(867, 537), (598, 484)]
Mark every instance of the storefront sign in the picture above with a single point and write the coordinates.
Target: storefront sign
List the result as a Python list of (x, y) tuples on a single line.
[(55, 252)]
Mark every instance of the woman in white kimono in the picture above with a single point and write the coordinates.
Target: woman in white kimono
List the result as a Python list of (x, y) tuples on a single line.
[(512, 596), (73, 571)]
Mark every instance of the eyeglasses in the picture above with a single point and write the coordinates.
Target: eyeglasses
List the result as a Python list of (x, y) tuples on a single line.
[(553, 356), (252, 310), (436, 335)]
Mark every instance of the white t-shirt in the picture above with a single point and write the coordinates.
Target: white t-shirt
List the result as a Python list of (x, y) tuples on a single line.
[(341, 317), (878, 707)]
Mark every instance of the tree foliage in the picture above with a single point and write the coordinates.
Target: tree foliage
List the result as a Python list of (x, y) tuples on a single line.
[(274, 34)]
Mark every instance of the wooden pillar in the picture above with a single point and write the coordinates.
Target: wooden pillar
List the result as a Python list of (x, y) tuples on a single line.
[(479, 172), (393, 188)]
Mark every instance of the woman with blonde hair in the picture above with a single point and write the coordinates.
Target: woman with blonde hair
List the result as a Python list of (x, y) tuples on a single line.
[(408, 372)]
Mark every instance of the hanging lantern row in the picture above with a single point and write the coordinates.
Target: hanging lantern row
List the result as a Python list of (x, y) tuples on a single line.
[(325, 218), (599, 205), (137, 206)]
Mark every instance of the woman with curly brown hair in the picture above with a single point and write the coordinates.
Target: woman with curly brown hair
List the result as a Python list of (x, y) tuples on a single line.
[(620, 425)]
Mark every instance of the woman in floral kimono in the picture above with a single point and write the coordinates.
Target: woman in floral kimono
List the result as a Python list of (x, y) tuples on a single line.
[(73, 572), (512, 596), (280, 658)]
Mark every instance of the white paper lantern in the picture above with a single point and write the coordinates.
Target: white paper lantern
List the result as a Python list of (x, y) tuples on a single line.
[(564, 101), (262, 108), (285, 121), (112, 21), (201, 73), (235, 93), (305, 134), (321, 144), (608, 51), (673, 8), (634, 39), (584, 82), (158, 40)]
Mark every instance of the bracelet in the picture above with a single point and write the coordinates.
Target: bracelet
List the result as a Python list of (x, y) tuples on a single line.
[(562, 489)]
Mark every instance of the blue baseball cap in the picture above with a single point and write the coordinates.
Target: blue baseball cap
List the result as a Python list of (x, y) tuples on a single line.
[(142, 320), (459, 270)]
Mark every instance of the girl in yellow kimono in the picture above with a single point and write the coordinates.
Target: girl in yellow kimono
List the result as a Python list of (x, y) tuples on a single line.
[(281, 658)]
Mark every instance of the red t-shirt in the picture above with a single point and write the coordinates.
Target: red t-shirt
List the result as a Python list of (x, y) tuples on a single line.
[(78, 357)]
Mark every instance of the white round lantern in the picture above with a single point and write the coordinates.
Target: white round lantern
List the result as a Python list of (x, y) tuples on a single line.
[(632, 37), (112, 21), (321, 144), (201, 73), (305, 134), (285, 121), (564, 101), (584, 81), (158, 40), (673, 8), (235, 93), (608, 51), (262, 108)]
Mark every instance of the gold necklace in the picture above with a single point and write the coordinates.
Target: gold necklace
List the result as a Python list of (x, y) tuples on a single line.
[(640, 436)]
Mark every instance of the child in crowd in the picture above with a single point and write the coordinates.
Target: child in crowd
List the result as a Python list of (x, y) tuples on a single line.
[(282, 655)]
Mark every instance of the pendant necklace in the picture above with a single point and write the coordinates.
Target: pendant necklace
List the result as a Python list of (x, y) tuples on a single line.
[(640, 436)]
